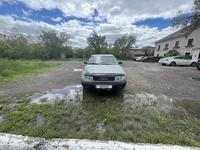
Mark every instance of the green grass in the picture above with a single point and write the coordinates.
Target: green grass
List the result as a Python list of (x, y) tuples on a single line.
[(119, 122), (11, 70)]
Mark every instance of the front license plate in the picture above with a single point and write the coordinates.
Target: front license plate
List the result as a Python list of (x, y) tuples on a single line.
[(104, 86)]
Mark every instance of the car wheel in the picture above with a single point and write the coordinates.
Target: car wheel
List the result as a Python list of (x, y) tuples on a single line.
[(198, 67), (173, 64), (194, 64)]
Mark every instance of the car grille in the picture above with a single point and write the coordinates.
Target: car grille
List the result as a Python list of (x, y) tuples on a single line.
[(103, 78)]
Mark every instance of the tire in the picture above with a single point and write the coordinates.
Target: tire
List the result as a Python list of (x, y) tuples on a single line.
[(198, 67), (173, 64), (194, 64)]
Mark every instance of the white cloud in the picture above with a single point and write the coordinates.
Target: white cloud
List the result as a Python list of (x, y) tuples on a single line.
[(144, 35), (79, 8), (120, 15), (77, 33), (58, 19), (134, 10), (114, 10)]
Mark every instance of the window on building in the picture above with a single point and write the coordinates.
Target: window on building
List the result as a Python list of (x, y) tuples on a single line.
[(158, 48), (166, 46), (190, 43), (187, 55), (177, 44)]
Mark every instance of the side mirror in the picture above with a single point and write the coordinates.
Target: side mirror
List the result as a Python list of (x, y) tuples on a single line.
[(85, 62), (120, 62)]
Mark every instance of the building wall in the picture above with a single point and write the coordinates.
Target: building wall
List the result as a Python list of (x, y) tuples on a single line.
[(134, 52), (182, 44)]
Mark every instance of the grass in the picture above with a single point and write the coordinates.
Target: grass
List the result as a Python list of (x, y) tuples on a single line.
[(82, 120), (11, 70)]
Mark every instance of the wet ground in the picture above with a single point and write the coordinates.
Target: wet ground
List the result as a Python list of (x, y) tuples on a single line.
[(179, 84), (160, 104)]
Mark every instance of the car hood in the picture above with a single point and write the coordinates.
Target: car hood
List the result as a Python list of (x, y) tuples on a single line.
[(103, 69)]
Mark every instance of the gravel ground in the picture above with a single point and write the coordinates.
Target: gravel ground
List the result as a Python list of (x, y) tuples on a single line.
[(13, 142), (179, 83)]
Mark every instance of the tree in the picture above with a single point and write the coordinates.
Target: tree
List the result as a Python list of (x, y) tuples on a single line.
[(55, 43), (122, 44), (97, 43), (6, 50), (182, 19), (20, 44)]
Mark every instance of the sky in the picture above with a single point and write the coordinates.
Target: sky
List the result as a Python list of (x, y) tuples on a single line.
[(148, 20)]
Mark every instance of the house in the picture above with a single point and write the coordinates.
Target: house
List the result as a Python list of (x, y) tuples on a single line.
[(145, 51), (184, 41)]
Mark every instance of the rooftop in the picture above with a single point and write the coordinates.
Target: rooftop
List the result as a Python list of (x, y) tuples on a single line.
[(181, 33)]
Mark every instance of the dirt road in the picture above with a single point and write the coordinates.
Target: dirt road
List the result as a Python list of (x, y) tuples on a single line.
[(180, 83)]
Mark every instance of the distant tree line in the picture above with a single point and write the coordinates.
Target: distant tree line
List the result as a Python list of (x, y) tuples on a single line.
[(53, 45)]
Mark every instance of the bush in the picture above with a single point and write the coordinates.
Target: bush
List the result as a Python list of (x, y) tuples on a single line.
[(7, 72)]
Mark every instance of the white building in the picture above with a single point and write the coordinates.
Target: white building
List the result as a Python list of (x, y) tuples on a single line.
[(185, 41)]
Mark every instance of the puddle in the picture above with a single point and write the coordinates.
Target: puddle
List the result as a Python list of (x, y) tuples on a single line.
[(77, 70), (156, 103), (191, 106), (67, 94), (100, 127), (40, 120)]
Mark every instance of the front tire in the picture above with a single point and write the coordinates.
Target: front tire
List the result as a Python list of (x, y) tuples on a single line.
[(173, 64), (198, 67), (194, 64)]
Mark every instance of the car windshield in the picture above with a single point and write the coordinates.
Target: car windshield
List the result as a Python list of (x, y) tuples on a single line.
[(102, 60)]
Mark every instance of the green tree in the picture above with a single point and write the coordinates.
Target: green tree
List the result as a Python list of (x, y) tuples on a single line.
[(122, 44), (97, 43), (55, 43), (20, 44), (6, 50)]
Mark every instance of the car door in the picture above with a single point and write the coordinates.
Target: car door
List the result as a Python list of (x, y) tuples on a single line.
[(179, 60), (183, 61), (187, 62)]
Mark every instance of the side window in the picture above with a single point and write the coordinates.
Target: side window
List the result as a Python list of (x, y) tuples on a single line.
[(190, 43), (158, 48), (179, 58), (177, 43), (166, 46)]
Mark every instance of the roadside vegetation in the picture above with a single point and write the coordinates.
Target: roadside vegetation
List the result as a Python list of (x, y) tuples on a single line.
[(109, 119), (55, 45), (11, 70)]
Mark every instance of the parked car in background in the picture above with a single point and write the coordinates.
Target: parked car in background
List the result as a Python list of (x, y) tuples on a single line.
[(198, 64), (177, 60), (103, 72), (140, 58), (151, 59)]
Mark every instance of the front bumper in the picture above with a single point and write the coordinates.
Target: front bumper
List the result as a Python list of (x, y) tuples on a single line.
[(115, 85), (164, 62)]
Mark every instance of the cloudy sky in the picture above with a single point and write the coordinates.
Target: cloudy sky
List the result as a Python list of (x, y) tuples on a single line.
[(149, 20)]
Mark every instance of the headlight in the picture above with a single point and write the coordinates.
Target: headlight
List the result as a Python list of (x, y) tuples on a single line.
[(166, 59), (87, 78), (119, 78)]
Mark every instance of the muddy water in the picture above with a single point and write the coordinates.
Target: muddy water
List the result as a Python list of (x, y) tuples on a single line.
[(152, 102), (66, 94), (191, 106)]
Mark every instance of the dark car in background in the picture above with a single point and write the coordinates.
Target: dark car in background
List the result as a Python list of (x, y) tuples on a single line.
[(198, 64)]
